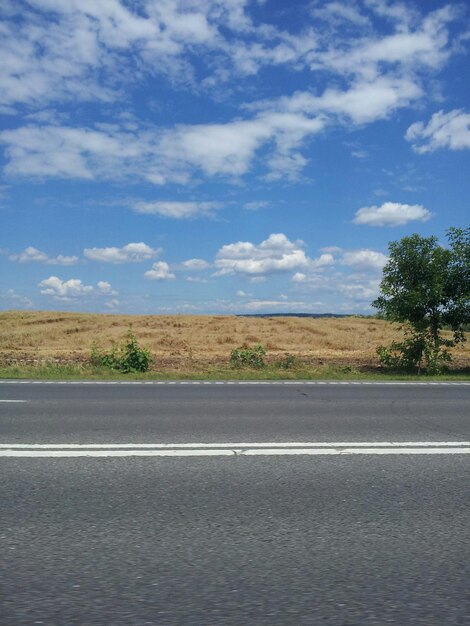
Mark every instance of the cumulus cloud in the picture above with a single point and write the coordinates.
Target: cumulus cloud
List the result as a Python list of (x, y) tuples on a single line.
[(444, 130), (324, 260), (104, 288), (130, 253), (391, 214), (273, 255), (299, 277), (64, 289), (31, 254), (160, 271), (177, 210), (364, 259), (195, 265), (73, 288)]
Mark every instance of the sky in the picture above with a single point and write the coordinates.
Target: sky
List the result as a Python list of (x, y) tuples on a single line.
[(225, 156)]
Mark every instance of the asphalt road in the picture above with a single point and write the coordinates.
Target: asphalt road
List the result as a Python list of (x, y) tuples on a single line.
[(338, 540), (116, 413)]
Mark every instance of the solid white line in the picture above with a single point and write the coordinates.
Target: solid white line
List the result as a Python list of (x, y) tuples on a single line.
[(230, 452), (112, 453), (13, 400), (234, 449), (347, 451), (236, 445)]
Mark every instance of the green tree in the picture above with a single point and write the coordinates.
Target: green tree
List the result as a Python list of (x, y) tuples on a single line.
[(426, 287)]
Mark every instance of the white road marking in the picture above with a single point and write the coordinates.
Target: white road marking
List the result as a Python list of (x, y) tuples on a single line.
[(237, 445), (234, 449), (13, 400)]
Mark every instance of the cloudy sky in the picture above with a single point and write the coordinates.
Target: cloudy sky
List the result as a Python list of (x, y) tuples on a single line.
[(225, 156)]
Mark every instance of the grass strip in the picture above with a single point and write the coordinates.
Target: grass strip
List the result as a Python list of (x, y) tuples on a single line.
[(88, 372)]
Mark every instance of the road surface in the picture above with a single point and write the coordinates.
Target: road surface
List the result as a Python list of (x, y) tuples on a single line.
[(340, 539)]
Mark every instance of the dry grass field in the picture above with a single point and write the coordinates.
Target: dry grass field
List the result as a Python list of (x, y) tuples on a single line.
[(182, 340)]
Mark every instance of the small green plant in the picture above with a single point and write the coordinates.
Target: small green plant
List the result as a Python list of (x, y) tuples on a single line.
[(129, 357), (246, 356), (287, 362)]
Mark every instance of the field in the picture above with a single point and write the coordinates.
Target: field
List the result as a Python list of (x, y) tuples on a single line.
[(193, 343)]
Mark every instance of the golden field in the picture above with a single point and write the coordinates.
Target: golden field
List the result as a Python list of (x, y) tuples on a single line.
[(182, 340)]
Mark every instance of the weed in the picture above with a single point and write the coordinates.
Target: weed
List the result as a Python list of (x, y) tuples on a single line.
[(129, 357), (246, 356)]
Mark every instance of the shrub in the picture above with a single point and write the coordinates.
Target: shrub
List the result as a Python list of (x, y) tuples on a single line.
[(246, 356), (416, 352), (129, 357)]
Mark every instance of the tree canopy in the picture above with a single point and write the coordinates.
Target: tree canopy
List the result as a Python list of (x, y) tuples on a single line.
[(426, 287)]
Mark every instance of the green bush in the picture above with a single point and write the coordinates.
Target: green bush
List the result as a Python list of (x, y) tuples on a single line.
[(416, 352), (246, 356), (129, 357)]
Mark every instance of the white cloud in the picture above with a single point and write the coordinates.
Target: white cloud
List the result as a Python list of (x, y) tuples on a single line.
[(275, 254), (160, 271), (299, 277), (11, 298), (258, 305), (255, 206), (391, 214), (67, 290), (228, 149), (160, 156), (338, 12), (241, 293), (86, 50), (90, 50), (130, 253), (177, 210), (444, 130), (195, 265), (31, 254), (82, 153), (105, 288), (112, 304), (371, 58), (365, 101), (362, 290), (323, 260), (60, 289), (364, 259), (196, 279), (424, 45), (359, 154)]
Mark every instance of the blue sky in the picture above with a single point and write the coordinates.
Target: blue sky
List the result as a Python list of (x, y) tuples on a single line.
[(225, 156)]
